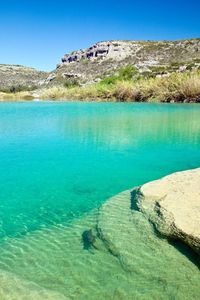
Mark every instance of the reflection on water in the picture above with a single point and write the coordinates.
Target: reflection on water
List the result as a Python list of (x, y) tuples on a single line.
[(59, 161), (134, 123)]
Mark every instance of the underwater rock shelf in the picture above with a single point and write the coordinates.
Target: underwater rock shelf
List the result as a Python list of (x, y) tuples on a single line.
[(171, 204), (126, 225)]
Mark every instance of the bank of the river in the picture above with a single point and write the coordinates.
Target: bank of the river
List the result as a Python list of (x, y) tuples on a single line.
[(175, 87)]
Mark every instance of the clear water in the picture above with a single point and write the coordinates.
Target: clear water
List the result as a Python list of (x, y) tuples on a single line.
[(58, 163)]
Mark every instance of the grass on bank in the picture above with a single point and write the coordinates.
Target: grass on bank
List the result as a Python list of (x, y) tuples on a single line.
[(16, 96), (177, 87)]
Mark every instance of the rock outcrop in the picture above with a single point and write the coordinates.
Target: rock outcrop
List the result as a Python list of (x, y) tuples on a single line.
[(141, 52), (95, 51), (172, 204)]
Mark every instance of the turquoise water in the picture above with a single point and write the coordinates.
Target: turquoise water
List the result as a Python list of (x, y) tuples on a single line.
[(60, 161)]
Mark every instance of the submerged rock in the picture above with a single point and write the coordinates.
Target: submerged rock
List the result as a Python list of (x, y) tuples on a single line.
[(172, 204), (91, 240), (88, 239)]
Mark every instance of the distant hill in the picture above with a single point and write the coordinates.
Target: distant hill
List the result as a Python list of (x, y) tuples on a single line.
[(152, 58), (15, 78)]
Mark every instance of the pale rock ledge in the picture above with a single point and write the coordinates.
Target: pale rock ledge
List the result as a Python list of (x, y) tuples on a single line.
[(172, 204)]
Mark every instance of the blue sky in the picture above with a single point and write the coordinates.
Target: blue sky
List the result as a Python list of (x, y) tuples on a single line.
[(38, 33)]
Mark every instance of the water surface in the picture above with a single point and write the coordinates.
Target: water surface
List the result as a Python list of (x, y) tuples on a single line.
[(59, 162)]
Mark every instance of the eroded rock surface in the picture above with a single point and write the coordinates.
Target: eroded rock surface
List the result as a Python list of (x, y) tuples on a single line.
[(172, 204), (150, 52)]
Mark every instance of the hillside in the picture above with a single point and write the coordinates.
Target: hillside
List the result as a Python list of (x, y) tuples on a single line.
[(90, 65), (149, 57), (16, 78)]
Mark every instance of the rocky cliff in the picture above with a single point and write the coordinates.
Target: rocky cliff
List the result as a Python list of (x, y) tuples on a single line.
[(104, 58)]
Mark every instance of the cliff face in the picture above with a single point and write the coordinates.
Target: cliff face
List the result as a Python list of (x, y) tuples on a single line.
[(101, 59), (140, 53)]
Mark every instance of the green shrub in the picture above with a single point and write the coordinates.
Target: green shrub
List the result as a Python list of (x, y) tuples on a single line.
[(128, 72), (72, 82), (109, 80), (123, 74)]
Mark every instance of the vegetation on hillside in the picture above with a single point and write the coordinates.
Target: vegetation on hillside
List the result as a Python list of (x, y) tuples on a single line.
[(128, 85)]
